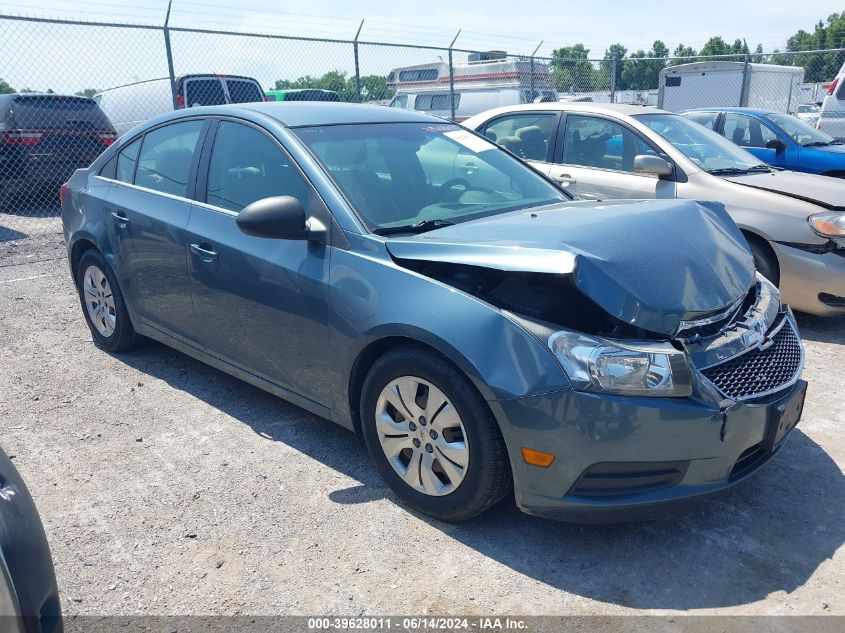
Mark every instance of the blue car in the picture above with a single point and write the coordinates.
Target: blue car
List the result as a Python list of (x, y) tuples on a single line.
[(776, 138), (411, 281)]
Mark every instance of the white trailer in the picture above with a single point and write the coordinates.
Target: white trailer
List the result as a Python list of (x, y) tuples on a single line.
[(730, 84)]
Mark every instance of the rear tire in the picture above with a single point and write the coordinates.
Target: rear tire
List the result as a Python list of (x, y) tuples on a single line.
[(452, 464), (103, 305)]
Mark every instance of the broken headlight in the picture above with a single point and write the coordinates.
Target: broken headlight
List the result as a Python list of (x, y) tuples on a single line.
[(622, 367)]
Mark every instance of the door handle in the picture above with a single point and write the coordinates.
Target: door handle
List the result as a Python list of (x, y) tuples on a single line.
[(120, 219), (204, 252), (564, 179), (469, 168)]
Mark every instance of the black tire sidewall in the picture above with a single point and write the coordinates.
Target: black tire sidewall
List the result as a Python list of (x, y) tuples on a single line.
[(473, 495), (123, 336)]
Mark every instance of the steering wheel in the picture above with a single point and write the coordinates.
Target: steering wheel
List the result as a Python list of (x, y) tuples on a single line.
[(455, 182)]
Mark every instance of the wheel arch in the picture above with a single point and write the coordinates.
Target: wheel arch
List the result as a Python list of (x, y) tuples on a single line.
[(379, 346), (764, 245)]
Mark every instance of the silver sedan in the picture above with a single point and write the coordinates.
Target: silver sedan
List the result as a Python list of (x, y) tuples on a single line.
[(792, 221)]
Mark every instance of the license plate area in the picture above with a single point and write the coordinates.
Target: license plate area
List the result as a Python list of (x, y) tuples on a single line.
[(784, 417)]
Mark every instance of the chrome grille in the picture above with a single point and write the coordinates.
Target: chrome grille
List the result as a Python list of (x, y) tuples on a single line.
[(759, 372)]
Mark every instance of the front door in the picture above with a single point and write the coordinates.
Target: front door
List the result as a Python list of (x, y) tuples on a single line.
[(261, 303), (752, 135), (594, 160)]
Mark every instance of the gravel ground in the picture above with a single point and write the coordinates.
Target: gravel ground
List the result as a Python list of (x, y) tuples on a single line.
[(167, 487)]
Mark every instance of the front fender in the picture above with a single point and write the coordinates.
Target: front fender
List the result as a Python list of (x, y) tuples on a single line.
[(372, 298)]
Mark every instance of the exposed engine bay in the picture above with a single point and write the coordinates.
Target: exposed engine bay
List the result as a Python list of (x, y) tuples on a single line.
[(551, 298)]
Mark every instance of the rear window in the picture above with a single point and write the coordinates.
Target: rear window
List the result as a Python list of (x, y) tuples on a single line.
[(244, 91), (203, 92), (57, 113), (312, 95)]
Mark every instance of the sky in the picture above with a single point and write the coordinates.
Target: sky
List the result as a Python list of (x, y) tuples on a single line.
[(518, 27), (67, 58)]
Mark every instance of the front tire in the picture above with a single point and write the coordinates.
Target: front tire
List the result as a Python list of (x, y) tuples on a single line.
[(103, 305), (431, 436)]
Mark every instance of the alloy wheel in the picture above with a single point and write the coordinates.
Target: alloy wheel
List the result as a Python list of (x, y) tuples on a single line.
[(99, 300), (422, 435)]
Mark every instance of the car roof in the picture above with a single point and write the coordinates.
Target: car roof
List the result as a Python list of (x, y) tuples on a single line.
[(584, 106), (309, 113), (738, 110)]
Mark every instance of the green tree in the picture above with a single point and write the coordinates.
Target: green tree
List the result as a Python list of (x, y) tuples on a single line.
[(570, 69), (373, 87), (618, 52), (820, 66), (642, 69), (5, 89)]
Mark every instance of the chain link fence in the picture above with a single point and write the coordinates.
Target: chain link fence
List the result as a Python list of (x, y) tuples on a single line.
[(68, 89)]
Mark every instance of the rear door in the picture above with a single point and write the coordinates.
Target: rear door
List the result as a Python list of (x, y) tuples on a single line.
[(261, 303), (594, 159), (243, 90), (148, 211), (529, 135)]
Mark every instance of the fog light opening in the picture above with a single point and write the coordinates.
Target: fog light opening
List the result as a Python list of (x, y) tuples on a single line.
[(537, 458)]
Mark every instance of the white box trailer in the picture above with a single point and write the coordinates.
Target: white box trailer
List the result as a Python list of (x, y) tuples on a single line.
[(730, 84)]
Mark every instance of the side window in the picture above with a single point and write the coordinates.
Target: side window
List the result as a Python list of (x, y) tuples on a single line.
[(399, 101), (247, 166), (526, 135), (127, 159), (707, 119), (737, 129), (202, 92), (435, 101), (164, 163), (596, 142)]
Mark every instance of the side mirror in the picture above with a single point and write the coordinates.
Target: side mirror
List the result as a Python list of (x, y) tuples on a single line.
[(776, 144), (654, 165), (279, 217)]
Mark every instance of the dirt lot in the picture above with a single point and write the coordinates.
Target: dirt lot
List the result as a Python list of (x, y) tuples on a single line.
[(168, 487)]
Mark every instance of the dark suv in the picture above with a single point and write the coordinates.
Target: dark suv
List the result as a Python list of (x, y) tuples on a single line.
[(44, 138)]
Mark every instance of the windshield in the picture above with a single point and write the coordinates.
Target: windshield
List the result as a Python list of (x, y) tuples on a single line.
[(704, 147), (808, 107), (398, 175), (800, 132)]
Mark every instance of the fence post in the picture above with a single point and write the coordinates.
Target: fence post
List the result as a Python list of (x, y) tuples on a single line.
[(613, 63), (357, 66), (169, 52), (743, 92), (452, 77), (531, 82)]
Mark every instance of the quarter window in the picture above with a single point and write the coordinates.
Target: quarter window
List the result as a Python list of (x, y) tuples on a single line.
[(126, 162), (707, 119), (164, 163), (247, 166), (596, 142), (526, 135)]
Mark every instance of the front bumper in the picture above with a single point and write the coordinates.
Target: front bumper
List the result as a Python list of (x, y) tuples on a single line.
[(703, 449), (804, 276)]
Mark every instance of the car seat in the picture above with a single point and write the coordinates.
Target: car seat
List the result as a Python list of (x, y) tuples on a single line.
[(533, 142)]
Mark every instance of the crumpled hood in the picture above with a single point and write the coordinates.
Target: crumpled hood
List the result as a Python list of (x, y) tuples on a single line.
[(824, 191), (649, 263)]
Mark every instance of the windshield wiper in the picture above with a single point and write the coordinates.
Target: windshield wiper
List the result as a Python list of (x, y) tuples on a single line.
[(817, 144), (420, 227), (736, 171)]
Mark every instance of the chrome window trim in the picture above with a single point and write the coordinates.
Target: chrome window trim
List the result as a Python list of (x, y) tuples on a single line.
[(145, 189)]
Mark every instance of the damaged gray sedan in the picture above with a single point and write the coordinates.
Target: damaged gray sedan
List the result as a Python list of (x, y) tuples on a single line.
[(410, 281)]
